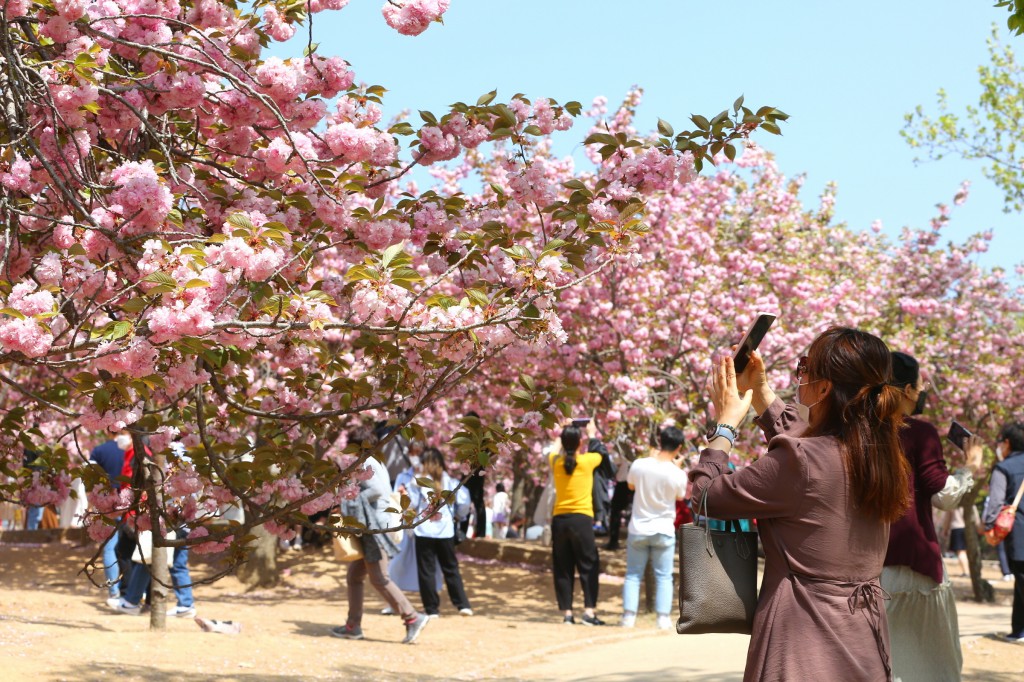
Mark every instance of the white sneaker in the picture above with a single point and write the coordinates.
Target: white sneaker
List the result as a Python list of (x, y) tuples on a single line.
[(433, 616), (466, 612), (1008, 578), (628, 620), (665, 623), (387, 611), (182, 611), (129, 609), (112, 602)]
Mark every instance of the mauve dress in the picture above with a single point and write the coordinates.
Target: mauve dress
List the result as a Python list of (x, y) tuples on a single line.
[(820, 612)]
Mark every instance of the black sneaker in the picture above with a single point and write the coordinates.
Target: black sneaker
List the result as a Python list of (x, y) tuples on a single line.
[(592, 620), (568, 620)]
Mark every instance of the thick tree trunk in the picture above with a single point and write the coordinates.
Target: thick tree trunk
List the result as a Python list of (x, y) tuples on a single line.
[(983, 591), (159, 571), (260, 570)]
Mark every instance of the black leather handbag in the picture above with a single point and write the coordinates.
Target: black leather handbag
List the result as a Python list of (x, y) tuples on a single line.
[(717, 578)]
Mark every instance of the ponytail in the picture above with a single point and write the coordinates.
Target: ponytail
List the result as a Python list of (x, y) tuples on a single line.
[(873, 455), (570, 445)]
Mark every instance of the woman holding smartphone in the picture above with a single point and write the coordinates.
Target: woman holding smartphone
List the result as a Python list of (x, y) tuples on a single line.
[(572, 525), (823, 494), (923, 623)]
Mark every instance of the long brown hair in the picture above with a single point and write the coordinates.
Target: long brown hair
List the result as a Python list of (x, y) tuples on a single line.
[(863, 412)]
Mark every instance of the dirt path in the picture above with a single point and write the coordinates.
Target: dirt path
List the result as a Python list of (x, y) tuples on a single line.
[(54, 625)]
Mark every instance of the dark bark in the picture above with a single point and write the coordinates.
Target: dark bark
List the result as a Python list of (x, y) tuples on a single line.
[(983, 590)]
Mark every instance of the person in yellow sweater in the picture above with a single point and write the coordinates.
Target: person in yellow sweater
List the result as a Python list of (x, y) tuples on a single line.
[(572, 524)]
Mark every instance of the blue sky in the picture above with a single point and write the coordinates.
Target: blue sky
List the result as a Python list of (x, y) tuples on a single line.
[(845, 72)]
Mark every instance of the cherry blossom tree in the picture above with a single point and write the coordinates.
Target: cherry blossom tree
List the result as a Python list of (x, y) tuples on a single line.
[(205, 244), (642, 330)]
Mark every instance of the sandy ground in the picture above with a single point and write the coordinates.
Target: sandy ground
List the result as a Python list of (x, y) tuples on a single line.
[(54, 625)]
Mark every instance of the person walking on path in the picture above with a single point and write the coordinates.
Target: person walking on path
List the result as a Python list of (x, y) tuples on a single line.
[(501, 507), (110, 457), (658, 482), (923, 626), (369, 508), (1007, 478), (435, 538), (833, 479), (572, 525)]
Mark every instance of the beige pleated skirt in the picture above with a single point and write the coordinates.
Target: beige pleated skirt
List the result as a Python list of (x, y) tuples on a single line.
[(923, 629)]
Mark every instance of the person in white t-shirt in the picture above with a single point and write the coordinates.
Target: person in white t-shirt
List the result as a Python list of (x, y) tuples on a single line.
[(658, 481)]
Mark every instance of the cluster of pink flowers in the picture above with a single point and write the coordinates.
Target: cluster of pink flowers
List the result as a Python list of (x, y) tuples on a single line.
[(171, 322), (361, 144), (212, 546), (413, 17), (45, 489), (25, 336), (18, 176), (183, 482), (111, 501), (137, 360), (140, 195)]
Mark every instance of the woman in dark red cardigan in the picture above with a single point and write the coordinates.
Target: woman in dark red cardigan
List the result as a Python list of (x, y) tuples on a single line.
[(923, 625)]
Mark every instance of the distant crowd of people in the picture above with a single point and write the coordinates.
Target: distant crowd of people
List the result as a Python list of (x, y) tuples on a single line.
[(844, 500)]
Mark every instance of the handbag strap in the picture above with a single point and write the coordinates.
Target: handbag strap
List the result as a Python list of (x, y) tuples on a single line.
[(1016, 500)]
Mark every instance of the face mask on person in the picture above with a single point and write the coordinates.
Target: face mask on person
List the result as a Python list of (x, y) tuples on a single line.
[(123, 440), (922, 398), (414, 462), (805, 410)]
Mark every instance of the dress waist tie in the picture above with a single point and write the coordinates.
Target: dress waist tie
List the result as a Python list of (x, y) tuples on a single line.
[(866, 594)]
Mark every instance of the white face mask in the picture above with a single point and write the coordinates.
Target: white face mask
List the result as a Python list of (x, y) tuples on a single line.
[(804, 410), (414, 462), (123, 441)]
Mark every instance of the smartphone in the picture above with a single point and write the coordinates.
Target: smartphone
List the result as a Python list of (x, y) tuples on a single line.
[(752, 340), (958, 435), (580, 422)]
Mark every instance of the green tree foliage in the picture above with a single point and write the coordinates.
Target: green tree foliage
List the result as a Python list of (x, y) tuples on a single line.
[(991, 131)]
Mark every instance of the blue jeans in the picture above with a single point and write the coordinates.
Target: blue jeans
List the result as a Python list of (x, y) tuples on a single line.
[(660, 549), (138, 581), (33, 517), (111, 568)]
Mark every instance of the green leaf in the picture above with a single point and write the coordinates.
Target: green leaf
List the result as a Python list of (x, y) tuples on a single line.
[(700, 122), (428, 118), (665, 129), (241, 221), (390, 253), (160, 278), (484, 100)]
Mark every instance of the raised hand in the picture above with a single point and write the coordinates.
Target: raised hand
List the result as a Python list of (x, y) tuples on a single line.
[(730, 406)]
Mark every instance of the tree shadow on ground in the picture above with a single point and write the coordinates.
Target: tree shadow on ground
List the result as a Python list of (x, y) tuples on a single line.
[(32, 568), (131, 673), (72, 624)]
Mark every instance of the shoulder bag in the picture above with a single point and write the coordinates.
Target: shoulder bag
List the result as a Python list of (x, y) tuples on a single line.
[(1004, 520), (717, 578)]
